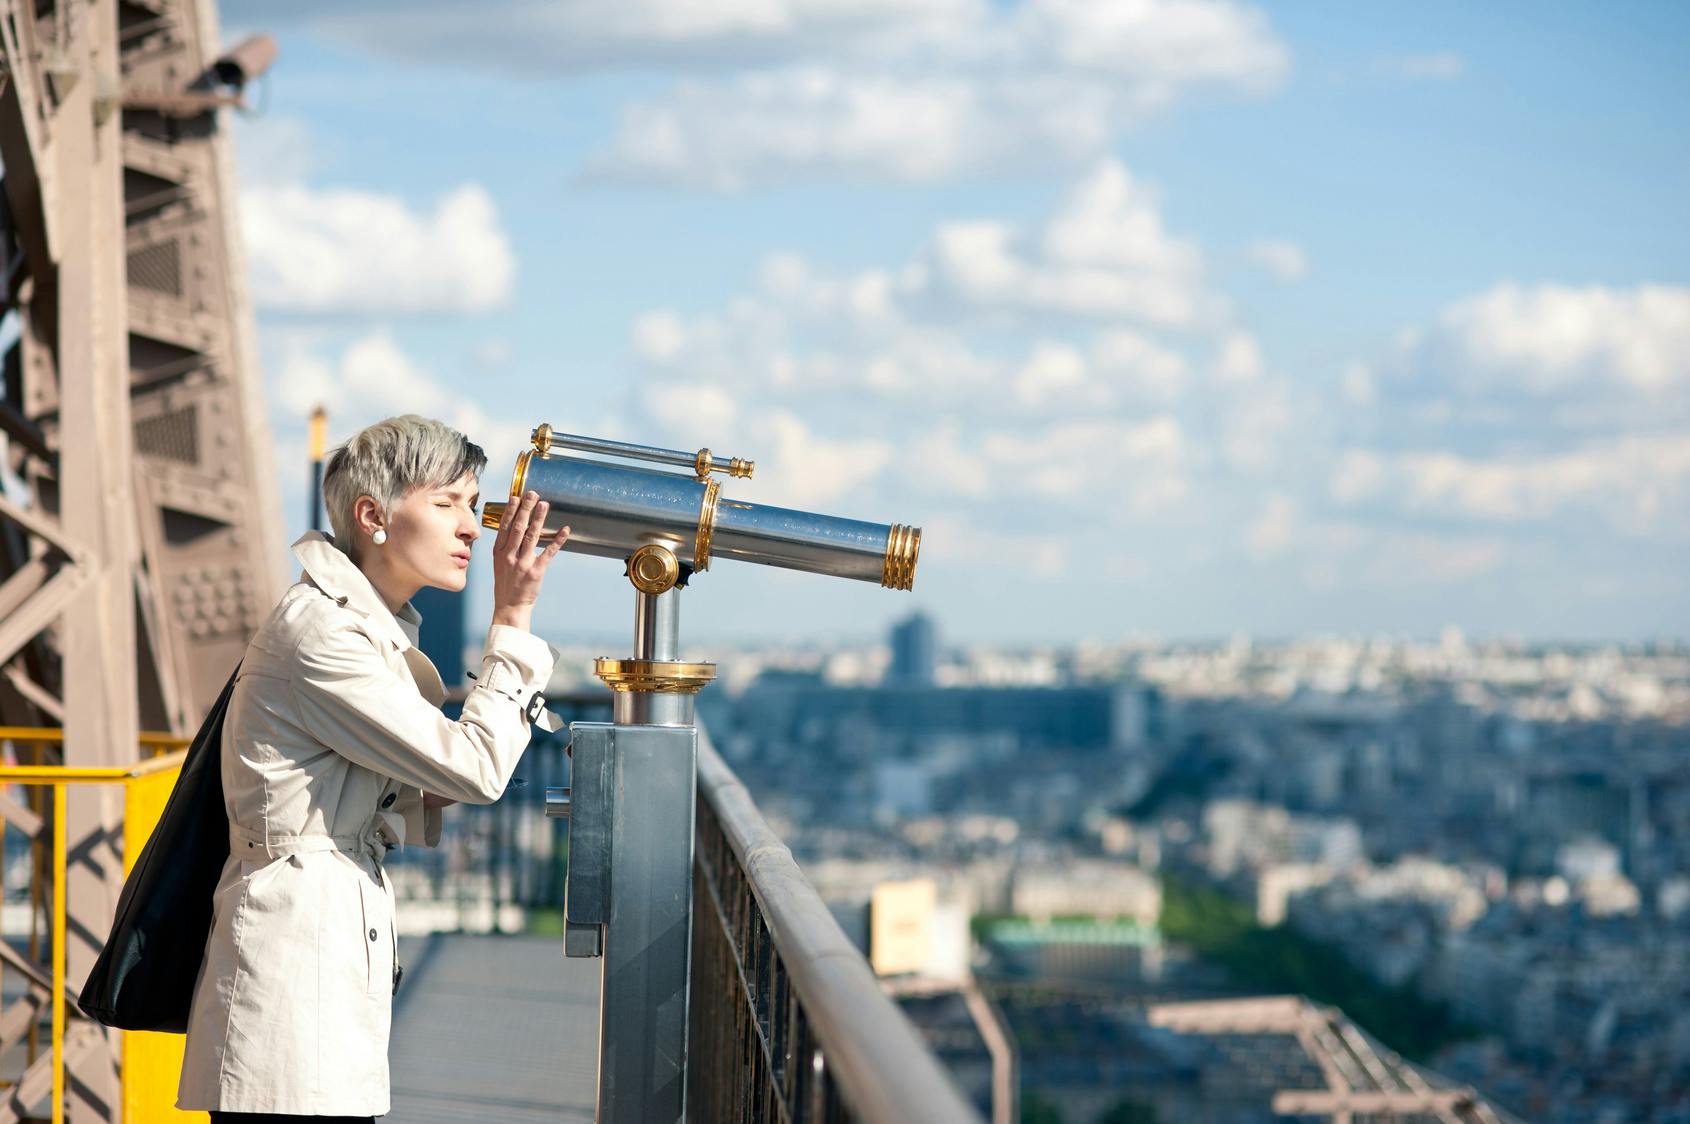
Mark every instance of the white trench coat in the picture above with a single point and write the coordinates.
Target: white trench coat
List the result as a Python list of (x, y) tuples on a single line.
[(333, 734)]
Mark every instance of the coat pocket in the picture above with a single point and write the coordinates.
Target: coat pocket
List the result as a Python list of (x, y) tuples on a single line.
[(377, 939)]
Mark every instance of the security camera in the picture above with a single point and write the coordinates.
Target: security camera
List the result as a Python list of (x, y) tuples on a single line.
[(244, 61)]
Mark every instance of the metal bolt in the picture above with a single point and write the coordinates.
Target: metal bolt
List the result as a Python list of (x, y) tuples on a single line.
[(557, 803)]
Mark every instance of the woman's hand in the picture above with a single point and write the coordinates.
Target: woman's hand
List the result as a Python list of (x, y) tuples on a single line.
[(517, 570)]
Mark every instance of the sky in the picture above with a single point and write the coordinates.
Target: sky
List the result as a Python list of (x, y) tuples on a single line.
[(1162, 318)]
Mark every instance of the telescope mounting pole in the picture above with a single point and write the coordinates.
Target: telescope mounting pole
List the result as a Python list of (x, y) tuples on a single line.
[(629, 892), (632, 796)]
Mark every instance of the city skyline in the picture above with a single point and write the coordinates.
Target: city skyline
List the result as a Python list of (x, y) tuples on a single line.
[(1177, 319)]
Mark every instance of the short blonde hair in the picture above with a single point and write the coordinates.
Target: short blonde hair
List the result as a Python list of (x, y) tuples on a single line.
[(385, 461)]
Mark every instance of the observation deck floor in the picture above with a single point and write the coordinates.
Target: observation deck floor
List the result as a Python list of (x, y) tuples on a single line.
[(495, 1029)]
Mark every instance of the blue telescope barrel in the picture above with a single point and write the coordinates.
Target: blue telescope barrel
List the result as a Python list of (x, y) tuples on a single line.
[(614, 509)]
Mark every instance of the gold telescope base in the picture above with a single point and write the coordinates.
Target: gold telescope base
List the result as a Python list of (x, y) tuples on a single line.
[(657, 677)]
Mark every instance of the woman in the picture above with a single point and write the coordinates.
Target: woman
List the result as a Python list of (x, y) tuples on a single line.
[(334, 751)]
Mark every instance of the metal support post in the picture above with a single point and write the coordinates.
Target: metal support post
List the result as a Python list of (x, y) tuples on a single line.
[(629, 899), (656, 637), (631, 806)]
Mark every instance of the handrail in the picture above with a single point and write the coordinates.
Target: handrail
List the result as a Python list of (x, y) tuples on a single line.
[(88, 774), (60, 777), (883, 1068), (152, 739)]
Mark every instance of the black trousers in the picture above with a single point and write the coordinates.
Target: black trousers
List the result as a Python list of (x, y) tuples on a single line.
[(283, 1118)]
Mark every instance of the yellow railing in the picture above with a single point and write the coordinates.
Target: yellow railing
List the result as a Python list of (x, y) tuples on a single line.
[(150, 1061)]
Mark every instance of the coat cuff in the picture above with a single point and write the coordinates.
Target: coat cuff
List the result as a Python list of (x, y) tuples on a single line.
[(516, 663)]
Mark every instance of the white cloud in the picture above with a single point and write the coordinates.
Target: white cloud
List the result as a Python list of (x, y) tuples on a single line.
[(806, 468), (594, 35), (1158, 45), (346, 251), (817, 122), (371, 379), (696, 410), (1041, 84), (953, 539), (974, 390), (1549, 340), (902, 333), (1144, 368), (1078, 461), (274, 149), (1239, 359), (1104, 253), (907, 91), (1056, 373), (1395, 557), (1255, 422), (1274, 529), (1636, 483), (936, 462), (1164, 45), (1357, 386), (493, 354), (1408, 558), (1283, 259)]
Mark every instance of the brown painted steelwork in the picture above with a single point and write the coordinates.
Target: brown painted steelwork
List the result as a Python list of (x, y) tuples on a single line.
[(145, 548)]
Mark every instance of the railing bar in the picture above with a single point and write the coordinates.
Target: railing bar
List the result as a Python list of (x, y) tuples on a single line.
[(60, 806), (888, 1072), (757, 1043), (779, 1039)]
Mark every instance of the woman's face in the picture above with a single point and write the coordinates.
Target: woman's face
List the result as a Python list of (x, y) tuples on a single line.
[(429, 533)]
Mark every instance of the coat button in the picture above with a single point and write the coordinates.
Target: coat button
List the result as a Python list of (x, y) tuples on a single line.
[(387, 801), (372, 934)]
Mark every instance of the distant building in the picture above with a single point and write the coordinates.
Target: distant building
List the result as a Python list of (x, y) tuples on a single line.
[(1095, 888), (443, 634), (781, 709), (915, 651)]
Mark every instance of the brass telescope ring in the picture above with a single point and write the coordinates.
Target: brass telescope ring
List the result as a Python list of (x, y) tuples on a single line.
[(654, 677), (520, 476), (706, 525), (902, 545)]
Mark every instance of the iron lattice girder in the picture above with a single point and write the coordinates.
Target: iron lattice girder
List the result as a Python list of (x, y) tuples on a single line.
[(1360, 1079), (148, 546)]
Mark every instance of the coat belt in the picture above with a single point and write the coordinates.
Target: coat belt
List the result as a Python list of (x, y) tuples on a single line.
[(243, 840)]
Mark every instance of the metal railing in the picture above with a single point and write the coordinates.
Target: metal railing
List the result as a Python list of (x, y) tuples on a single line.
[(788, 1022), (146, 786)]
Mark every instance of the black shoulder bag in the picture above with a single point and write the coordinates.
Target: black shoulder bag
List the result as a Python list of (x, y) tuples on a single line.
[(144, 977)]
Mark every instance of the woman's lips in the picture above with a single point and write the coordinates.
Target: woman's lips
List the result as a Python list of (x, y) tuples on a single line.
[(462, 560)]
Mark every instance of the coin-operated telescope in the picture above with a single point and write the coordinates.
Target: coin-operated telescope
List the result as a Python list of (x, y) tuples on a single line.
[(632, 797)]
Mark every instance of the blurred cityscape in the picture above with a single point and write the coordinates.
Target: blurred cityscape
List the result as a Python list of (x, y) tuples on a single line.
[(1475, 851), (1469, 857)]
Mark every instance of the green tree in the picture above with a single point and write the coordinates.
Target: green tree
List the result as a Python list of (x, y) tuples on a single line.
[(1224, 930), (1036, 1110), (1129, 1112)]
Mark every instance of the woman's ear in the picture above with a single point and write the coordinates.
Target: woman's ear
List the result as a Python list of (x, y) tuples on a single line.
[(367, 516)]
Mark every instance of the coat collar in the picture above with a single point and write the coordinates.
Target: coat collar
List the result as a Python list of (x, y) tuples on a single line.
[(332, 571)]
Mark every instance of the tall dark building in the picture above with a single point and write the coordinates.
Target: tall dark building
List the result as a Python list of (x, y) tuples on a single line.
[(443, 631), (915, 651)]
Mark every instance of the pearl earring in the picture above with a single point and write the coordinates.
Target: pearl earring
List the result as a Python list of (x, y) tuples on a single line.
[(380, 536)]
